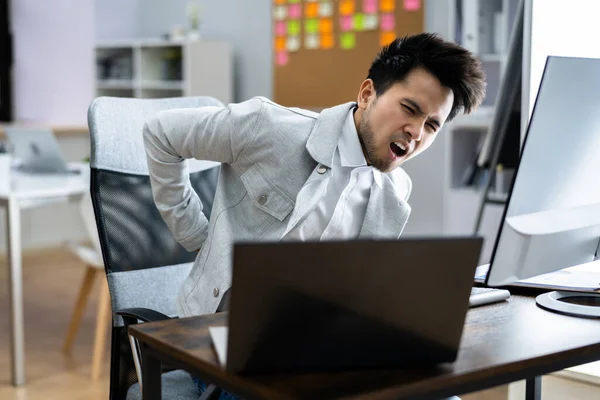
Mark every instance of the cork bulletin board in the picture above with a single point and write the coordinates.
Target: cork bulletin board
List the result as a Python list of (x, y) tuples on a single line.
[(323, 48)]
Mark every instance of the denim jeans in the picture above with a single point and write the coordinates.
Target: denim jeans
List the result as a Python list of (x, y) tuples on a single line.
[(201, 387)]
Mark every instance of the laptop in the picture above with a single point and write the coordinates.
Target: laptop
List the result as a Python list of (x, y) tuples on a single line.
[(321, 306), (37, 150)]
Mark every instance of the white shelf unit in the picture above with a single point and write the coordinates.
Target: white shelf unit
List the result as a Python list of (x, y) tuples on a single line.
[(484, 27), (154, 68)]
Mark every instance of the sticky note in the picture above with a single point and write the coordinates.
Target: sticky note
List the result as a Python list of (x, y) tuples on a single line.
[(279, 13), (412, 5), (346, 23), (312, 41), (370, 22), (370, 6), (279, 1), (311, 10), (359, 19), (348, 40), (280, 28), (386, 38), (347, 7), (311, 26), (327, 41), (387, 5), (293, 28), (326, 9), (326, 25), (388, 22), (293, 43), (282, 58), (279, 44), (294, 11), (293, 1)]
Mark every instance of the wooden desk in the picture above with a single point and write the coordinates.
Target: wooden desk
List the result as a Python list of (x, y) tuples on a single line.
[(501, 343)]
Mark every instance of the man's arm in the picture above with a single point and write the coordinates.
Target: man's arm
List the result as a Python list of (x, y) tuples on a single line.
[(206, 133)]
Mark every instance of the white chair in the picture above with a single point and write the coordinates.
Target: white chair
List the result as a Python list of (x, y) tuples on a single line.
[(91, 257)]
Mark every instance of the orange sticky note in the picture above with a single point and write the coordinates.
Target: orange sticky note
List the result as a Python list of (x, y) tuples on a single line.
[(326, 25), (279, 1), (347, 7), (311, 10), (280, 44), (387, 5), (327, 41), (386, 38)]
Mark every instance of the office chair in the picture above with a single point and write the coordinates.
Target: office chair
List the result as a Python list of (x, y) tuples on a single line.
[(145, 266), (91, 257)]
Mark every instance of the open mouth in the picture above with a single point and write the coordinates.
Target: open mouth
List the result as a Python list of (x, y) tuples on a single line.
[(398, 150)]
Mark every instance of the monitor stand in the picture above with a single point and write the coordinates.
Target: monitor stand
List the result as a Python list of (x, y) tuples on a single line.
[(579, 304)]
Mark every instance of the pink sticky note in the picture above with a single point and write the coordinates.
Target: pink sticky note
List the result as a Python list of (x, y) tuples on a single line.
[(295, 11), (412, 5), (282, 58), (346, 23), (388, 22), (369, 6), (280, 28)]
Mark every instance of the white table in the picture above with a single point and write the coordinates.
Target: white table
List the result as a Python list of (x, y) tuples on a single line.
[(29, 191)]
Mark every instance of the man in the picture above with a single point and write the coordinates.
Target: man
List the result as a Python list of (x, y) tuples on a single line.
[(291, 174)]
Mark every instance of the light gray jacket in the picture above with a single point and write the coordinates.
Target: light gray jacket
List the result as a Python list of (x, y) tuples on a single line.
[(276, 163)]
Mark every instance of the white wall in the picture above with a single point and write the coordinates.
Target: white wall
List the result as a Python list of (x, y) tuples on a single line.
[(53, 71), (563, 29), (117, 18)]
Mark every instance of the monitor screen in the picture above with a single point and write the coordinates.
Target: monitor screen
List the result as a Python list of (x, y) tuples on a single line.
[(552, 217)]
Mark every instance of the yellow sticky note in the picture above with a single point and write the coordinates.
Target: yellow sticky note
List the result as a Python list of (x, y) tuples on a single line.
[(387, 6), (327, 41), (311, 10), (280, 44), (386, 38), (326, 25), (348, 40), (347, 7)]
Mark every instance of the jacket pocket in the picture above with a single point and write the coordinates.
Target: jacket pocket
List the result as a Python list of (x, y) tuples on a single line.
[(265, 195)]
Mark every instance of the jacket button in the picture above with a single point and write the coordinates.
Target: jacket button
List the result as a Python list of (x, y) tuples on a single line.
[(262, 200), (322, 169), (216, 292)]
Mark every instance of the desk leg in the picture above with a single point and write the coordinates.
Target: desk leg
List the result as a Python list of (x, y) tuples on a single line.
[(533, 388), (151, 375), (15, 290)]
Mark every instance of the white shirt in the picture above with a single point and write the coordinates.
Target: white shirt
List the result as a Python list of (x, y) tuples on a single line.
[(340, 214)]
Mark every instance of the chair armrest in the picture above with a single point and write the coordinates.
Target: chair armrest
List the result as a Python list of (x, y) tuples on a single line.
[(131, 316)]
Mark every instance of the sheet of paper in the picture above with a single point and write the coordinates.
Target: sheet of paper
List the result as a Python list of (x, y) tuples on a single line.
[(326, 9), (312, 42), (219, 334), (370, 6), (388, 22), (370, 22), (412, 5), (348, 40)]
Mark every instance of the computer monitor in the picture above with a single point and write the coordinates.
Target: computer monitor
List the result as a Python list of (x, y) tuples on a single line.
[(552, 217)]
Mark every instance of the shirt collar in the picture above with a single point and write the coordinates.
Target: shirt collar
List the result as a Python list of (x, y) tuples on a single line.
[(351, 154)]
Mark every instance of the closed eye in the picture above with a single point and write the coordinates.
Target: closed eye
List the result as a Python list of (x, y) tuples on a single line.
[(407, 108)]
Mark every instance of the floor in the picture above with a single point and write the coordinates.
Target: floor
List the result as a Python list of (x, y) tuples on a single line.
[(51, 280)]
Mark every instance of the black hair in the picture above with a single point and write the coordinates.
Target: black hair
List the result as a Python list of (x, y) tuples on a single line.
[(454, 66)]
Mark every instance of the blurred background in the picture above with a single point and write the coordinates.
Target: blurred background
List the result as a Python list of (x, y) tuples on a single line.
[(56, 56)]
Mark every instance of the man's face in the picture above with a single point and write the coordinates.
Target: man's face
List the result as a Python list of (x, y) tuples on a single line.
[(402, 122)]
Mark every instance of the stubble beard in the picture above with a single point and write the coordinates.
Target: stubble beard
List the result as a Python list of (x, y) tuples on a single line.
[(365, 134)]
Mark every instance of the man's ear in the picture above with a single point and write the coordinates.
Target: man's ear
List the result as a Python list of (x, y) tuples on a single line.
[(366, 94)]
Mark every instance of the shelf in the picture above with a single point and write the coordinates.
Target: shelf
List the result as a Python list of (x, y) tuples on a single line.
[(492, 57), (137, 42), (114, 84), (162, 85)]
